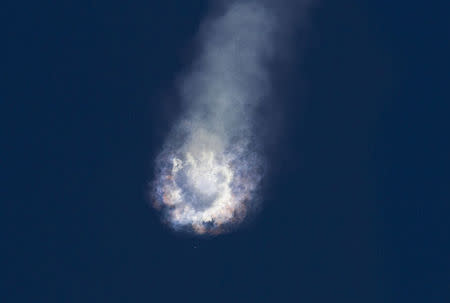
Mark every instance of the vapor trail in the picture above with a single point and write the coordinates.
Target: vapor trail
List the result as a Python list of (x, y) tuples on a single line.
[(209, 169)]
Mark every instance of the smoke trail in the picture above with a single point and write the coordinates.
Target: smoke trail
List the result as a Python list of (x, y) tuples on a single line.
[(210, 167)]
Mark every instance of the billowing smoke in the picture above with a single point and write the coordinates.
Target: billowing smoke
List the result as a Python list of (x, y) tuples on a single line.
[(210, 168)]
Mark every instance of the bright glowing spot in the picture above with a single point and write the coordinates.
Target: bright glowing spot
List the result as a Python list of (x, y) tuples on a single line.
[(206, 189)]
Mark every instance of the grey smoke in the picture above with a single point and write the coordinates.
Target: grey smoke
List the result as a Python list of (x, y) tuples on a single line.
[(221, 93)]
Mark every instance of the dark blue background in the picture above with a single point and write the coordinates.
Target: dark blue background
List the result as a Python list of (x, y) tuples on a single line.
[(357, 203)]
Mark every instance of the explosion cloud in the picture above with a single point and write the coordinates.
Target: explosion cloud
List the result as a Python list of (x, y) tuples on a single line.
[(210, 168)]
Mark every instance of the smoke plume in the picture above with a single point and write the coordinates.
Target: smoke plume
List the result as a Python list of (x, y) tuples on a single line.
[(210, 168)]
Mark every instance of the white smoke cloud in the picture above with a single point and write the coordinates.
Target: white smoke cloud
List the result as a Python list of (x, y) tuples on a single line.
[(209, 170)]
